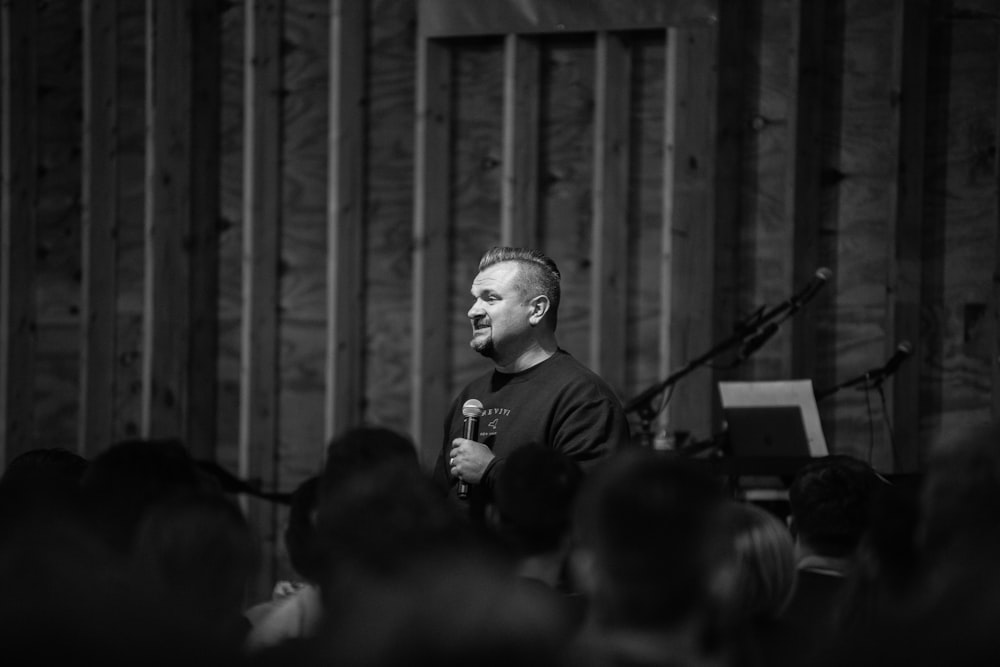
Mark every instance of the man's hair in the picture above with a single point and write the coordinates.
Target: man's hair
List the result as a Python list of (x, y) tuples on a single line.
[(539, 274), (653, 525), (830, 500)]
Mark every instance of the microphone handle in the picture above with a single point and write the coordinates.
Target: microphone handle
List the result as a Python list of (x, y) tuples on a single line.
[(469, 432)]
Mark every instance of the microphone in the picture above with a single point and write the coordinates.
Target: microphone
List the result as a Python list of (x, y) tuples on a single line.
[(903, 350), (809, 291), (757, 340), (471, 410)]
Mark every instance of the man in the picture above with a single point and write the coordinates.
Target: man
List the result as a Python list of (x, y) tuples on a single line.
[(830, 501), (651, 553), (536, 394)]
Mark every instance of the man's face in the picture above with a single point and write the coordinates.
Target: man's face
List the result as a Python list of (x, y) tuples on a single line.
[(499, 315)]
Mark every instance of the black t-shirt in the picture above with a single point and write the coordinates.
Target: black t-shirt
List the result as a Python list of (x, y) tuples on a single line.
[(559, 403)]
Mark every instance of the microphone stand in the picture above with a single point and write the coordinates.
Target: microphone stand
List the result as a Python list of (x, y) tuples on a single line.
[(874, 379), (643, 403)]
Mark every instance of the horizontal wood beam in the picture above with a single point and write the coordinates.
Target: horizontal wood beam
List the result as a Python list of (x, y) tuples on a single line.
[(461, 18)]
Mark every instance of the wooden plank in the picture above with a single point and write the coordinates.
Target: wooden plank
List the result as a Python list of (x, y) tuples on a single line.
[(391, 89), (130, 241), (202, 379), (166, 308), (610, 210), (672, 94), (230, 235), (454, 18), (802, 199), (475, 186), (262, 196), (567, 152), (739, 38), (519, 187), (995, 339), (18, 163), (98, 349), (648, 55), (690, 217), (344, 403), (57, 270), (431, 224), (905, 261)]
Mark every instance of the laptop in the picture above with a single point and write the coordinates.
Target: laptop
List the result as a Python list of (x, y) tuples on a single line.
[(773, 419)]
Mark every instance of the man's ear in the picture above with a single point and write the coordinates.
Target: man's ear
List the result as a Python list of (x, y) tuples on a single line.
[(539, 307)]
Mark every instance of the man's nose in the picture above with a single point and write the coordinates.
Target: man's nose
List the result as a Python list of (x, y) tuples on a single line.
[(475, 310)]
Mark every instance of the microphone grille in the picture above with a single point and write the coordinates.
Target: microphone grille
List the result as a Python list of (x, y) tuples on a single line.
[(905, 347), (824, 273), (472, 408)]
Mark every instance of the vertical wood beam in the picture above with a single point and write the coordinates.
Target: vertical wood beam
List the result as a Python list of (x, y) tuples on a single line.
[(431, 225), (258, 433), (19, 163), (802, 200), (906, 216), (609, 254), (344, 405), (167, 308), (739, 33), (98, 349), (689, 219), (519, 184), (206, 86), (671, 95), (995, 352)]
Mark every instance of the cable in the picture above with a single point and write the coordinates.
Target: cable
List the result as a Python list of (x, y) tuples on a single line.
[(871, 423), (888, 424)]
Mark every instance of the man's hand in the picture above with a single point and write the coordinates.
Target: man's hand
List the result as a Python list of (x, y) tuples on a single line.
[(469, 459)]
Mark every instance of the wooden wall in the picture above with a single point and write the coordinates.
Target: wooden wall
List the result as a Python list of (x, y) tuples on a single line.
[(215, 225)]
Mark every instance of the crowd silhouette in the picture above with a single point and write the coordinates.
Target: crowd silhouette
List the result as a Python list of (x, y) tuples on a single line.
[(141, 556)]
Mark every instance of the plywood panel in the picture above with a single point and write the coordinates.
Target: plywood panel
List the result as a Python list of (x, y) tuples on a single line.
[(903, 297), (964, 367), (519, 206), (203, 245), (130, 269), (609, 253), (430, 375), (57, 269), (18, 160), (166, 306), (689, 213), (230, 235), (99, 223), (768, 233), (304, 168), (476, 189), (567, 131), (645, 213), (389, 212)]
